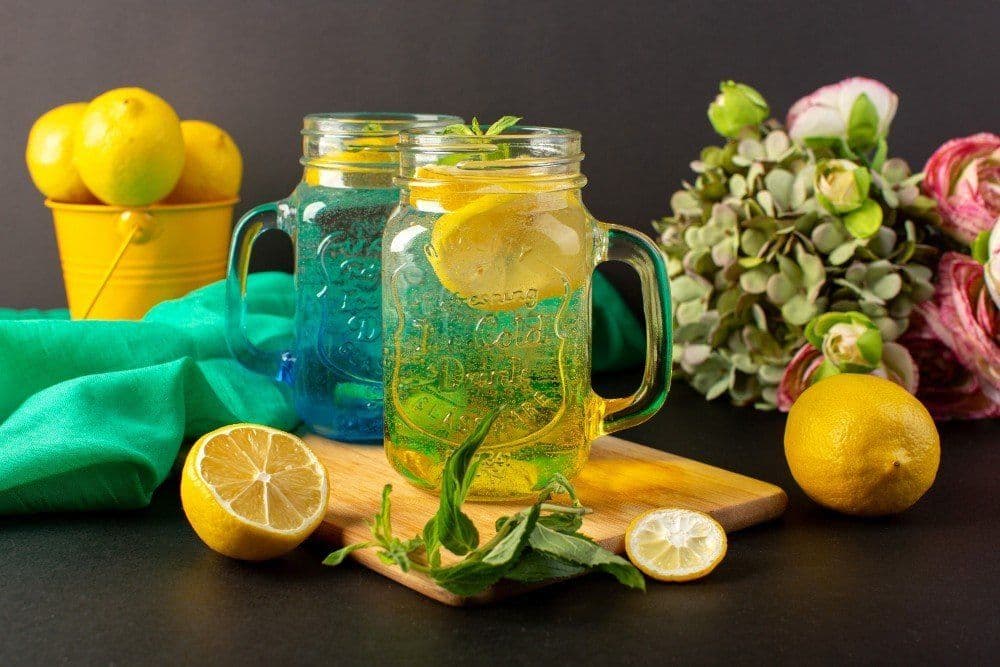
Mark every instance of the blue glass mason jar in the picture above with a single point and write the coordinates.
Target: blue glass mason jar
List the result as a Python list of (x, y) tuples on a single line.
[(335, 218)]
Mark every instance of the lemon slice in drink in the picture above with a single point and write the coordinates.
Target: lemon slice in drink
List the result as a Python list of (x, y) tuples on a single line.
[(445, 188), (675, 544), (504, 251), (253, 492), (361, 155)]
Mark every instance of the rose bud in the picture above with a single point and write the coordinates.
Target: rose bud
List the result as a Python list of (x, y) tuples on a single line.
[(736, 106), (841, 186)]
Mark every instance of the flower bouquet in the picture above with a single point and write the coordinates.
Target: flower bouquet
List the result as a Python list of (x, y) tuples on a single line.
[(802, 250)]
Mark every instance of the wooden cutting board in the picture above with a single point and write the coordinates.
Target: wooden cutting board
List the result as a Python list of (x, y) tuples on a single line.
[(621, 480)]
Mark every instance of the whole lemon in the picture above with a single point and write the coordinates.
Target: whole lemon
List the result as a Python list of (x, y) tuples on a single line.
[(213, 167), (128, 147), (49, 155), (861, 445)]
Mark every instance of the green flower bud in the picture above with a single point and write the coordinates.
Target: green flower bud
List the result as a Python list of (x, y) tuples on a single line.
[(841, 186), (737, 106)]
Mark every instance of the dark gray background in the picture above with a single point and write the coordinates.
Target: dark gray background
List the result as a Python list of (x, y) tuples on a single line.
[(635, 77)]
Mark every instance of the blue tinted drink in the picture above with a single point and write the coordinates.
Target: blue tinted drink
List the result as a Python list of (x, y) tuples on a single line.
[(335, 217)]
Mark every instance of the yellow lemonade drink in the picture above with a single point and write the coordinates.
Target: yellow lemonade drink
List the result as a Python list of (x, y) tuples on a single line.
[(486, 306)]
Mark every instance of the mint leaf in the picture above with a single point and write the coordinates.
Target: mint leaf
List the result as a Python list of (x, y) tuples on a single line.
[(451, 527), (563, 522), (503, 123), (455, 158), (458, 128), (381, 525), (559, 484), (581, 550), (338, 556), (431, 543), (535, 566), (474, 129), (484, 567)]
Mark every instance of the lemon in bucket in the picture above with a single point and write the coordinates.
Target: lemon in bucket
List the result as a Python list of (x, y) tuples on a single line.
[(129, 148), (213, 166), (49, 155)]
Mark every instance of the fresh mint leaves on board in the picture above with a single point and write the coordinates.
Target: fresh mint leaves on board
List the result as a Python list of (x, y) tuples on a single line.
[(539, 543)]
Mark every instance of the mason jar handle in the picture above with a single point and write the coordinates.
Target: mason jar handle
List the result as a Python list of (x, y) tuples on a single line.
[(247, 231), (641, 253)]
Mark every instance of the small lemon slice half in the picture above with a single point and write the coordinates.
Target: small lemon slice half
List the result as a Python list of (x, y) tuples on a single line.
[(675, 544), (253, 492)]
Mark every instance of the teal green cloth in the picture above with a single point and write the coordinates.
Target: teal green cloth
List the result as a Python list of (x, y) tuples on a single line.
[(94, 413)]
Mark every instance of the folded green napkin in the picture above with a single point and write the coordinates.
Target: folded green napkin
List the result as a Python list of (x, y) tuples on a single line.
[(94, 413)]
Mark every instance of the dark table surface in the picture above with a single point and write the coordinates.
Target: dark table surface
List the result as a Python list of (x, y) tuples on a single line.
[(139, 588)]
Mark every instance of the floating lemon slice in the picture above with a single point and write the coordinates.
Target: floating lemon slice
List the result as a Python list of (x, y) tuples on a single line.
[(359, 157), (253, 492), (506, 251), (446, 188), (675, 544)]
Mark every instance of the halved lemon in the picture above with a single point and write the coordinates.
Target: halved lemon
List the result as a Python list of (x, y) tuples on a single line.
[(253, 492), (675, 544)]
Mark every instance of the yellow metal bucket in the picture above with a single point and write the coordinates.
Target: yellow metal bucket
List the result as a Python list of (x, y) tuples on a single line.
[(119, 262)]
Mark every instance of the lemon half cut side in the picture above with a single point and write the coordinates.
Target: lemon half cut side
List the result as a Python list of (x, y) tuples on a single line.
[(253, 492)]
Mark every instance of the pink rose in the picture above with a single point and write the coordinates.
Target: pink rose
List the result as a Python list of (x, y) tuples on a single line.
[(964, 177), (896, 365), (826, 114), (955, 340)]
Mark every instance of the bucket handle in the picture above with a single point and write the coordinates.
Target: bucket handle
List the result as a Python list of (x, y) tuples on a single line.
[(135, 226)]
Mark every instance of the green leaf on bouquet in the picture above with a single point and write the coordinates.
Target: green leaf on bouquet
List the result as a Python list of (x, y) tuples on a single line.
[(881, 151), (862, 223), (981, 247), (870, 345), (862, 125)]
